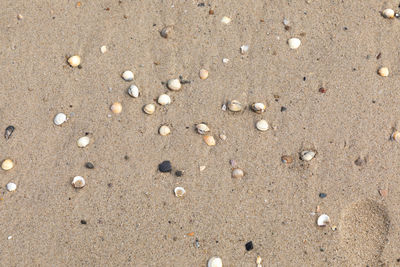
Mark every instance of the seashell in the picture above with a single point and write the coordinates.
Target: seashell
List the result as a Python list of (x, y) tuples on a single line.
[(258, 107), (83, 141), (294, 43), (11, 187), (7, 164), (226, 20), (133, 91), (383, 71), (174, 84), (103, 49), (262, 125), (223, 137), (202, 128), (396, 136), (127, 75), (164, 100), (149, 109), (78, 182), (179, 191), (244, 49), (202, 168), (9, 130), (214, 262), (166, 31), (116, 108), (234, 106), (203, 74), (209, 139), (225, 60), (287, 159), (74, 61), (237, 173), (323, 220), (164, 130), (60, 118), (259, 259), (388, 13), (307, 155)]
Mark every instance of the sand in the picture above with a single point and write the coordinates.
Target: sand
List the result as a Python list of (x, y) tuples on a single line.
[(132, 215)]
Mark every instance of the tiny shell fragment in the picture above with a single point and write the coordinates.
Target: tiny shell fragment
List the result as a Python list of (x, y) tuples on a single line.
[(74, 61), (9, 130), (396, 136), (7, 164), (287, 159), (78, 182), (294, 43), (383, 71), (226, 20), (323, 220), (244, 49), (209, 139), (179, 191), (166, 31), (103, 49)]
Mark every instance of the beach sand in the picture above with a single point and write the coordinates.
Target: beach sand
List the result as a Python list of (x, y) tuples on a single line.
[(132, 215)]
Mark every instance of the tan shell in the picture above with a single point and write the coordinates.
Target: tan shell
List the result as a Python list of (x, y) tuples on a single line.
[(307, 155), (174, 84), (209, 139), (74, 61), (202, 128), (237, 173), (164, 130), (7, 164), (203, 74), (234, 106), (383, 71), (167, 31), (149, 109), (396, 136), (164, 99), (258, 107), (262, 125), (116, 108)]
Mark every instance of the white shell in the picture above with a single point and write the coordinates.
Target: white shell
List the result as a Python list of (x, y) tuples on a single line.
[(237, 173), (225, 60), (74, 61), (383, 71), (262, 125), (133, 91), (103, 49), (179, 191), (127, 75), (164, 130), (164, 100), (234, 106), (149, 109), (7, 164), (244, 49), (60, 118), (323, 220), (226, 20), (202, 128), (78, 182), (258, 107), (11, 187), (174, 84), (388, 13), (294, 43), (307, 155), (214, 262), (83, 141), (396, 136)]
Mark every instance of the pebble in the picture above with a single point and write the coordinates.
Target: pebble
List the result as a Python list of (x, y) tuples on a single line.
[(237, 173), (262, 125), (226, 20), (323, 220), (283, 109), (234, 106), (20, 17), (174, 84), (388, 13), (164, 99), (287, 159), (166, 31), (179, 173), (83, 141), (165, 166), (209, 140), (133, 91), (203, 74), (78, 182), (258, 107), (244, 49), (74, 61), (322, 195), (179, 191), (294, 43), (249, 246), (9, 131), (214, 262), (383, 71), (307, 155), (89, 165), (60, 118), (103, 49), (11, 187), (116, 108), (127, 75), (202, 128), (149, 109), (7, 164), (164, 130)]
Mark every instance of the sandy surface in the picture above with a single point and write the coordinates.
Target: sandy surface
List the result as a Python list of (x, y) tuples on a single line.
[(133, 217)]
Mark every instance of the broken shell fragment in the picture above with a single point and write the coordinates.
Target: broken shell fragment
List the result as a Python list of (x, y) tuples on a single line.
[(203, 74), (294, 43), (127, 75), (60, 118), (7, 164), (164, 130), (83, 141), (174, 84), (234, 106), (78, 182), (388, 13), (396, 136), (214, 262), (74, 61), (103, 49), (202, 128), (258, 107), (209, 140), (166, 31), (323, 220), (226, 20), (262, 125), (237, 173), (149, 109), (383, 71), (287, 159), (11, 187), (307, 155), (179, 191), (116, 108), (244, 49), (133, 91), (164, 100)]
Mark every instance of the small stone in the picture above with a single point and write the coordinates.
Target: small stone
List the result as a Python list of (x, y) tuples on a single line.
[(287, 159), (179, 173), (83, 222), (116, 108), (164, 130), (179, 191), (294, 43), (78, 182), (60, 118), (89, 165), (83, 141), (283, 109), (203, 74), (322, 90), (262, 125), (165, 166), (383, 192), (226, 20), (11, 187), (74, 61), (249, 246), (174, 84), (149, 109), (383, 71), (214, 262), (166, 31), (133, 91), (164, 99), (20, 17), (9, 130), (7, 164), (103, 49), (127, 75), (322, 195)]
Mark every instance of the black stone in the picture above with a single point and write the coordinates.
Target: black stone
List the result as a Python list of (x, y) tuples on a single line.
[(9, 130), (249, 246), (322, 195), (89, 165), (165, 166), (283, 109), (83, 222), (179, 173)]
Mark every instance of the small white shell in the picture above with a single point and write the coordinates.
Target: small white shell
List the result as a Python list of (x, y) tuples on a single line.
[(388, 13), (226, 20), (202, 128), (383, 71), (258, 107), (133, 91), (174, 84), (203, 74), (103, 49), (127, 75), (179, 191), (225, 60), (60, 118), (244, 49), (164, 130), (307, 155), (11, 187), (396, 136), (7, 164), (294, 43), (237, 173), (214, 262), (78, 182), (149, 109), (83, 141), (323, 220), (234, 106), (74, 61), (262, 125), (164, 100)]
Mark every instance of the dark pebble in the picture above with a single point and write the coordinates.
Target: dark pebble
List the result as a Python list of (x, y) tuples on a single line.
[(200, 4), (83, 222), (322, 90), (249, 246), (9, 130), (283, 109), (165, 166), (322, 195), (179, 173), (89, 165)]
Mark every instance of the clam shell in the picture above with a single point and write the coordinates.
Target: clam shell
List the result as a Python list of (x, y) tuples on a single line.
[(262, 125), (179, 191), (164, 100), (116, 108), (164, 130), (234, 106), (383, 71), (60, 118), (74, 61), (214, 262), (396, 136), (258, 107), (294, 43), (78, 182), (166, 31), (388, 13), (149, 109), (323, 220), (237, 173), (11, 187), (202, 128), (83, 141), (307, 155), (203, 74), (7, 164), (127, 75), (209, 139), (133, 91), (174, 84)]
